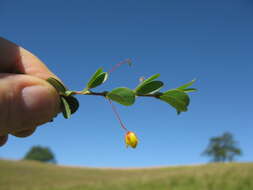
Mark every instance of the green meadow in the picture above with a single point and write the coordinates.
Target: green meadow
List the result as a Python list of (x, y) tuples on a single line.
[(27, 175)]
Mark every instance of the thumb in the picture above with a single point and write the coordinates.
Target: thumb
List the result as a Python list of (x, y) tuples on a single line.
[(25, 103)]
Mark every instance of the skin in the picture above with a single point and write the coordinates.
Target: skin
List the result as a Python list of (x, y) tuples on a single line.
[(26, 99)]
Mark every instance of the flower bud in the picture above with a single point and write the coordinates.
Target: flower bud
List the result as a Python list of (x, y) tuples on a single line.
[(131, 139)]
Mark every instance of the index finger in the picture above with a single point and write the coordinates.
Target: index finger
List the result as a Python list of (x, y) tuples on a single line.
[(15, 59)]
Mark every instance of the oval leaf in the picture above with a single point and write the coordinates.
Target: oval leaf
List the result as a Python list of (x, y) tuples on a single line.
[(94, 76), (177, 99), (100, 79), (150, 87), (65, 107), (57, 85), (124, 96), (147, 81)]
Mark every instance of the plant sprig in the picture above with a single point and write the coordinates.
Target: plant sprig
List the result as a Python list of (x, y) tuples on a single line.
[(178, 98)]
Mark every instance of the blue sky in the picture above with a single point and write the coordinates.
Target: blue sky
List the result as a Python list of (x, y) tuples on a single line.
[(208, 40)]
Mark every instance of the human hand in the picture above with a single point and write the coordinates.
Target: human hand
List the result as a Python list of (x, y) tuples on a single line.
[(26, 99)]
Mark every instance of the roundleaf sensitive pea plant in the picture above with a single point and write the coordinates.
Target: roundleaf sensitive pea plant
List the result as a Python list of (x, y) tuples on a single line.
[(178, 98)]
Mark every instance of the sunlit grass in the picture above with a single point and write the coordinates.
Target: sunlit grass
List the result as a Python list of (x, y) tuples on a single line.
[(26, 175)]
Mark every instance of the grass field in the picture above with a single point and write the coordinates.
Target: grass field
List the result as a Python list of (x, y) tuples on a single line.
[(24, 175)]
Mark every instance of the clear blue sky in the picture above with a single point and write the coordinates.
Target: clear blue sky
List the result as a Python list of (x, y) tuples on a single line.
[(208, 40)]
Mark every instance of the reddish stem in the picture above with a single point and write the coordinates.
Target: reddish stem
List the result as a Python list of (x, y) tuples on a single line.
[(117, 115), (128, 61)]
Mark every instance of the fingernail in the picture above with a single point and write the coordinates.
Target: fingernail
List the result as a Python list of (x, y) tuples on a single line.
[(38, 100)]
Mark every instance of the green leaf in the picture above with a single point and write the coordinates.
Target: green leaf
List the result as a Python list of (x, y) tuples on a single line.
[(186, 85), (97, 79), (73, 103), (65, 107), (57, 85), (150, 88), (101, 78), (177, 99), (122, 95), (94, 76), (190, 90), (146, 81)]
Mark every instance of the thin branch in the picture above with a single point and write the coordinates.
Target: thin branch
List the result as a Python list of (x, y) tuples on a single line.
[(90, 93), (156, 95)]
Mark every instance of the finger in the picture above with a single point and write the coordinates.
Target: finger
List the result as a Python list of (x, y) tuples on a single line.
[(25, 102), (31, 65), (24, 133), (3, 139), (9, 54), (15, 59)]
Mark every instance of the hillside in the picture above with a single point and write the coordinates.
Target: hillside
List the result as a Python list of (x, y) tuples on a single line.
[(24, 175)]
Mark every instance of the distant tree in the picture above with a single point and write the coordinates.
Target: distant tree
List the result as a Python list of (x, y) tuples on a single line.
[(42, 154), (222, 148)]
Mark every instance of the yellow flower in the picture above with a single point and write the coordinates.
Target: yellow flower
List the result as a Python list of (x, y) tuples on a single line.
[(131, 139)]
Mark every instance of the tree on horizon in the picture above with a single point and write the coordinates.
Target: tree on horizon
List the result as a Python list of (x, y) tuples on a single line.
[(42, 154), (222, 148)]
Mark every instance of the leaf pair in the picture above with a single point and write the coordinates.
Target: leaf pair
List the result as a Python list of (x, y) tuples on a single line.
[(69, 104), (98, 78), (126, 96), (185, 87), (149, 86), (178, 98)]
